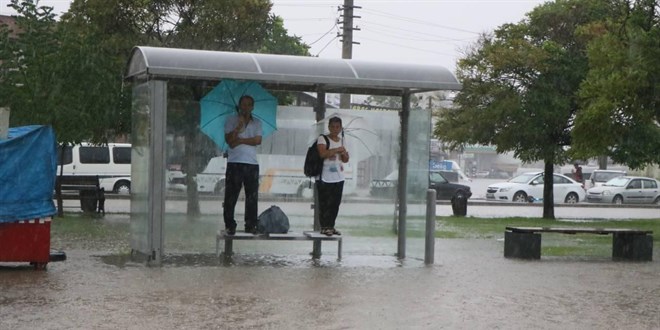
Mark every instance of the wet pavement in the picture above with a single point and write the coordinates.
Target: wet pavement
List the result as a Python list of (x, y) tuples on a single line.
[(470, 286), (276, 285)]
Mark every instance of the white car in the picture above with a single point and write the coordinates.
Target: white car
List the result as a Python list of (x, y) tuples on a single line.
[(626, 190), (527, 185), (599, 177)]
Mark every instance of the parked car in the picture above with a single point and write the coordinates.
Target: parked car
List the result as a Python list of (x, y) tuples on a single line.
[(176, 181), (626, 190), (530, 184), (445, 189), (599, 177)]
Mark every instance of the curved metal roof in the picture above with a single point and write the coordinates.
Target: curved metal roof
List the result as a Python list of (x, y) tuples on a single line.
[(286, 72)]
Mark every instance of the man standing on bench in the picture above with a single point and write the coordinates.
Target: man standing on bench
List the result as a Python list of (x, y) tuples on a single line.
[(243, 135)]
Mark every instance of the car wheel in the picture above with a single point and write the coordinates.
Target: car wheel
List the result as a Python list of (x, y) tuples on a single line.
[(572, 198), (520, 197), (657, 201), (617, 200), (122, 187)]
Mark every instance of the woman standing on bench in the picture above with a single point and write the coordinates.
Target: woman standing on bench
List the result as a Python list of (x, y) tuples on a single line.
[(330, 183)]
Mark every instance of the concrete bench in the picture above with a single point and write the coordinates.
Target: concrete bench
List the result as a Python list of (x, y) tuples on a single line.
[(313, 236), (627, 244)]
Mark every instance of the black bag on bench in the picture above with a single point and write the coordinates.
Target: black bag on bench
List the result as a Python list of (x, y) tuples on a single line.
[(273, 220)]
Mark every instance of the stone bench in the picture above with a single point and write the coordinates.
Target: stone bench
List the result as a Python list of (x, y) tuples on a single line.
[(313, 236), (627, 244)]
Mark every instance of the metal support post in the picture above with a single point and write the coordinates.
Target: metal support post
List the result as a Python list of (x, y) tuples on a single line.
[(429, 243)]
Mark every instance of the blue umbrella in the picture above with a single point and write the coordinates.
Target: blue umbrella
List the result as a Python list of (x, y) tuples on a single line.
[(222, 101)]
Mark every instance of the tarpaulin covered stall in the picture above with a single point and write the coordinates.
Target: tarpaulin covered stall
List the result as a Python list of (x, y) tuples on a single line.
[(27, 177)]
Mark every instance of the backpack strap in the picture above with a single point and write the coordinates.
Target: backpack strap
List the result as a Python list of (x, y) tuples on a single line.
[(327, 147), (327, 142)]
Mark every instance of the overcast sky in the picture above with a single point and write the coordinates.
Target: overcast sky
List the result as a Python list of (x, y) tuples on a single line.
[(414, 31)]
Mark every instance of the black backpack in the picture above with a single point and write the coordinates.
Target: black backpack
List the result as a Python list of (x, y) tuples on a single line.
[(273, 220), (313, 161)]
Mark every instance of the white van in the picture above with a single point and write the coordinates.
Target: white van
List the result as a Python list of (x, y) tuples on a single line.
[(212, 178), (111, 162)]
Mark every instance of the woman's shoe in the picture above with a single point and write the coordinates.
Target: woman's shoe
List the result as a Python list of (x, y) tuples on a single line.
[(327, 231), (335, 232)]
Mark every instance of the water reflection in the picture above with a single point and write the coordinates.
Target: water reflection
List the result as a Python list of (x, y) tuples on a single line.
[(471, 286), (263, 260)]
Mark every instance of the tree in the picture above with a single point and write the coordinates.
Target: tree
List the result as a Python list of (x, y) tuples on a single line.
[(51, 77), (519, 86), (226, 25), (621, 93)]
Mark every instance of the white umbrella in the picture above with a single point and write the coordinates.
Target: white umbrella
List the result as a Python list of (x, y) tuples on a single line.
[(360, 140)]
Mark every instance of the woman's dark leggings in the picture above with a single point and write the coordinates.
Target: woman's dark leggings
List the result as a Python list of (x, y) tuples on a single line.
[(329, 200)]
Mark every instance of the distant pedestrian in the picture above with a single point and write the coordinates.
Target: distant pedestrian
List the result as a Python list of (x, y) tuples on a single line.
[(330, 183), (577, 172)]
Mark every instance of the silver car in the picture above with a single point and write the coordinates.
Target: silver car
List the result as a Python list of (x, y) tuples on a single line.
[(626, 189)]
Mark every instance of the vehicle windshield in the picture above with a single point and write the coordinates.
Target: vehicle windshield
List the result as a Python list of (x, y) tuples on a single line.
[(523, 178), (617, 182), (437, 177), (605, 176)]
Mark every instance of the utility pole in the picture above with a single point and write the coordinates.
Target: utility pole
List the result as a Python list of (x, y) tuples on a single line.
[(347, 43)]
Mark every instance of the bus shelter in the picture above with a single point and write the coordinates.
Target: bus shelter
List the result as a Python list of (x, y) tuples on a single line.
[(168, 84)]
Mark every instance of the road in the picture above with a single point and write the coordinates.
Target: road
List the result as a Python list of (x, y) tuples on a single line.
[(359, 206)]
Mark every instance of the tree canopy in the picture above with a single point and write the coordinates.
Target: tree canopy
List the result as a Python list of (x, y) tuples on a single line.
[(68, 73), (520, 84), (620, 96)]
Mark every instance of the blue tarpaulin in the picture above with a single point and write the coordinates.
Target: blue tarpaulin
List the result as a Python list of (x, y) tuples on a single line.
[(27, 173)]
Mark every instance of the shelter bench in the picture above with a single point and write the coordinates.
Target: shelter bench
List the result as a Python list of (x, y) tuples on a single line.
[(87, 188), (627, 244), (313, 236)]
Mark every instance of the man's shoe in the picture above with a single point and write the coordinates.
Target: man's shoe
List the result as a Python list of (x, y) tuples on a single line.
[(230, 231), (251, 230)]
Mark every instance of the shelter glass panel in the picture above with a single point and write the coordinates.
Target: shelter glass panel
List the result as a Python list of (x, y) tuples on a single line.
[(418, 153), (140, 163)]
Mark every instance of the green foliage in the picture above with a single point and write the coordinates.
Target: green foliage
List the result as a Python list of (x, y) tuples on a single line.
[(29, 87), (520, 84), (54, 76), (71, 72), (278, 41), (620, 95)]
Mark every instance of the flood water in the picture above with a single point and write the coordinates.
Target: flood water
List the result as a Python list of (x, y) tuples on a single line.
[(276, 285), (470, 286)]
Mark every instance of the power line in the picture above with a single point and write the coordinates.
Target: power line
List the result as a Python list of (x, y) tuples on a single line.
[(415, 34), (309, 19), (326, 45), (325, 34), (408, 47), (416, 21)]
